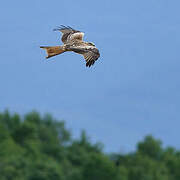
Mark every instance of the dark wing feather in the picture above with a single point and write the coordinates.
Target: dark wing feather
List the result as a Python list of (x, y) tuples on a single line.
[(91, 56), (69, 33), (90, 53)]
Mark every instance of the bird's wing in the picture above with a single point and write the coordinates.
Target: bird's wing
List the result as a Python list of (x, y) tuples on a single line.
[(90, 53), (69, 34), (91, 56)]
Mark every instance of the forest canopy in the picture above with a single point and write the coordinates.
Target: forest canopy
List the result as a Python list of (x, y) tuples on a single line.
[(37, 147)]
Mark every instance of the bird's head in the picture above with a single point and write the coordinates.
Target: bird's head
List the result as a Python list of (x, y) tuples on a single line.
[(91, 44)]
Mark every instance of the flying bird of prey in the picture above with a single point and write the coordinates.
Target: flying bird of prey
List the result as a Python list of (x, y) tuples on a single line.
[(73, 41)]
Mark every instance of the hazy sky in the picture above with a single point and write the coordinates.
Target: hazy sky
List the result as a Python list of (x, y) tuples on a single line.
[(131, 91)]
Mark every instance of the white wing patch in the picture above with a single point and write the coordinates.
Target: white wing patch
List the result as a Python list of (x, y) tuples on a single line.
[(77, 35)]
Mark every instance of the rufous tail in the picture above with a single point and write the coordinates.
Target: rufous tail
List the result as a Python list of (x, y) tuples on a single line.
[(53, 50)]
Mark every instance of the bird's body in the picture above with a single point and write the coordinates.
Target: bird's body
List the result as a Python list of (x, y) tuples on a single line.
[(73, 41)]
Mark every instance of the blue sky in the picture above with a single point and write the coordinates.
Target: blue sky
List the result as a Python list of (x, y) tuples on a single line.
[(131, 91)]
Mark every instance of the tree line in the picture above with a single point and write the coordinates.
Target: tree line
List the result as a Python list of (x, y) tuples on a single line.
[(37, 147)]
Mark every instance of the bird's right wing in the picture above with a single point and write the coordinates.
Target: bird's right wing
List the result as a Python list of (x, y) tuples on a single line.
[(90, 53), (91, 56), (69, 34)]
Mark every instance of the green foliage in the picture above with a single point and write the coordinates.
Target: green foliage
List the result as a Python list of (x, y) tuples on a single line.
[(41, 148), (150, 147)]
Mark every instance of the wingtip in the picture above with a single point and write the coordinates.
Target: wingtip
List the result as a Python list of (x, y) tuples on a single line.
[(56, 29), (89, 64), (61, 27)]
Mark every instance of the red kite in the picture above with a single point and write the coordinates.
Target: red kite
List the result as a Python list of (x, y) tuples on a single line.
[(73, 41)]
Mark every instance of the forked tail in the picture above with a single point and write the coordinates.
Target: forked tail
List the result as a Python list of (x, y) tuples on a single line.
[(53, 50)]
